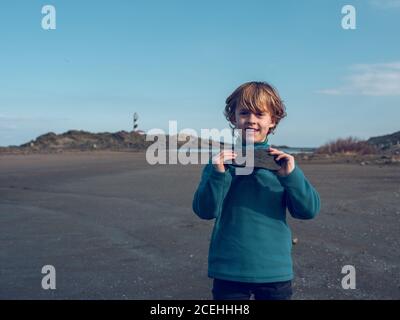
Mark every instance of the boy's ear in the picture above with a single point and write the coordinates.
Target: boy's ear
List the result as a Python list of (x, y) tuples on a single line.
[(272, 124)]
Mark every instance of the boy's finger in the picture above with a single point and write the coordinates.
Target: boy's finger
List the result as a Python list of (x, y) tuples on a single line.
[(227, 152), (229, 156), (276, 152), (282, 156)]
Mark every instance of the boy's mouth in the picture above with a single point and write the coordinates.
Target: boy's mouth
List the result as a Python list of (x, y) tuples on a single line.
[(254, 130)]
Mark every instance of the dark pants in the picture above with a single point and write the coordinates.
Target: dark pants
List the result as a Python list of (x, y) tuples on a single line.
[(232, 290)]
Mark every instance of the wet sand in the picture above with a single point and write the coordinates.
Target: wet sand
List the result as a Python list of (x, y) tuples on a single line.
[(115, 227)]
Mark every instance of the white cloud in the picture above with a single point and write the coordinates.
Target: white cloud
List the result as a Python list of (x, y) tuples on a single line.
[(386, 4), (381, 79)]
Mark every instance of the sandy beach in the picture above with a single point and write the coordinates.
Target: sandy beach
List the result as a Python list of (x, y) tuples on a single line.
[(115, 227)]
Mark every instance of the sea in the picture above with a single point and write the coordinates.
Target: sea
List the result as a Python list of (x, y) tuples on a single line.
[(291, 150)]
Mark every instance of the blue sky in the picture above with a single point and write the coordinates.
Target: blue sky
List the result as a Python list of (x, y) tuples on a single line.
[(179, 60)]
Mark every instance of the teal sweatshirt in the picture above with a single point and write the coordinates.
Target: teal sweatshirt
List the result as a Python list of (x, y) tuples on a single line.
[(251, 241)]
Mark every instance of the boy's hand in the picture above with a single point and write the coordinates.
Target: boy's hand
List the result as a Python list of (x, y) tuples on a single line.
[(287, 164), (219, 159)]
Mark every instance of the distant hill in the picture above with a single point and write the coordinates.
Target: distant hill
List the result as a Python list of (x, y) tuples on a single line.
[(78, 140), (83, 140), (388, 144), (386, 141)]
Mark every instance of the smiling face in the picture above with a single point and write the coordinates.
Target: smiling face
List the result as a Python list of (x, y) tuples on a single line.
[(255, 107), (256, 125)]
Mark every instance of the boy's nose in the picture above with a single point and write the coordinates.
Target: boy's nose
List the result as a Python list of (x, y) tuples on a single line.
[(252, 118)]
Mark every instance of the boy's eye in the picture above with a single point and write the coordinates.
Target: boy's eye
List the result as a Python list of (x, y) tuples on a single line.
[(258, 114)]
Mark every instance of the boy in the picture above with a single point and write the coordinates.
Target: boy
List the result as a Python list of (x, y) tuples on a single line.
[(250, 248)]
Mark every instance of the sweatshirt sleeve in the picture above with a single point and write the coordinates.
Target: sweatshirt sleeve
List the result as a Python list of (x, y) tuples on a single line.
[(211, 192), (302, 199)]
